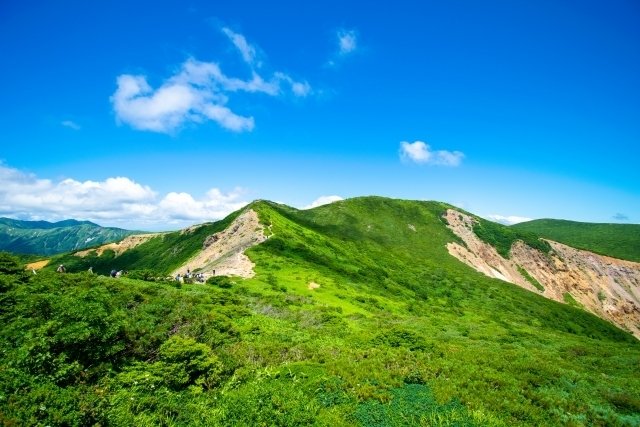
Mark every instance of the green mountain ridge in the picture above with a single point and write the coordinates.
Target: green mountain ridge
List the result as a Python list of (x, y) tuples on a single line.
[(50, 238), (356, 316), (616, 240), (17, 223)]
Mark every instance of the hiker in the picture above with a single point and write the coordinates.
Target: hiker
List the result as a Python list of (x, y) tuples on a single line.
[(61, 269), (178, 277), (119, 274), (113, 273), (90, 270)]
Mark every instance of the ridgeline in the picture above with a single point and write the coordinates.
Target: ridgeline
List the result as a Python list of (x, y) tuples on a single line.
[(356, 315)]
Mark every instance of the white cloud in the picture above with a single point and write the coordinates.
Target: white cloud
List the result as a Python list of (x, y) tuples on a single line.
[(508, 220), (247, 51), (117, 201), (347, 41), (70, 124), (419, 152), (347, 44), (197, 92), (323, 200), (300, 89), (193, 95)]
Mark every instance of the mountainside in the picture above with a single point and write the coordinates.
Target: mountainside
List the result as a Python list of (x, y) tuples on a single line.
[(353, 313), (615, 240), (605, 286), (47, 238)]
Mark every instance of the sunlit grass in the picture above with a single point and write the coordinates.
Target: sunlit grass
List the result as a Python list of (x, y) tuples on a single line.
[(398, 333)]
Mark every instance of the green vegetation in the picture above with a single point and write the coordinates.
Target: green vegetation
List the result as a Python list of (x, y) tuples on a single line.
[(502, 237), (398, 333), (46, 238), (569, 299), (616, 240), (161, 254), (531, 279)]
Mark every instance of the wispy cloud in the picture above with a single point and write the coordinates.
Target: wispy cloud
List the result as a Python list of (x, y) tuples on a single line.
[(346, 44), (199, 91), (247, 51), (323, 200), (620, 217), (420, 152), (508, 220), (118, 201), (347, 41), (70, 124)]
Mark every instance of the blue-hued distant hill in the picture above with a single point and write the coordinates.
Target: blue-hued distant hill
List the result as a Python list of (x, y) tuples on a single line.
[(50, 238)]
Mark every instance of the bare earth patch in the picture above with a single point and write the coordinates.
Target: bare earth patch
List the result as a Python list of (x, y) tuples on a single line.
[(224, 251), (37, 265), (127, 243), (605, 286)]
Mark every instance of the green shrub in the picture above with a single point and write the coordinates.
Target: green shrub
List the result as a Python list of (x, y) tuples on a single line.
[(145, 274), (224, 282), (413, 404), (393, 308), (570, 300), (502, 237), (530, 279)]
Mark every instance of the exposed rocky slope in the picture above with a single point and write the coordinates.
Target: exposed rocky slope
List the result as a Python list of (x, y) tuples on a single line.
[(605, 286), (120, 247), (224, 251)]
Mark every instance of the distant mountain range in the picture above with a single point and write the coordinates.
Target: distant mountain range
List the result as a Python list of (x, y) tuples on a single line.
[(49, 238)]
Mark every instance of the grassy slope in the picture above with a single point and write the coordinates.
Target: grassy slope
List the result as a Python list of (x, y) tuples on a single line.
[(617, 240), (161, 254), (398, 333)]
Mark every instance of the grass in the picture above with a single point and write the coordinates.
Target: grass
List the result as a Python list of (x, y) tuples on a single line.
[(398, 333), (161, 254), (531, 279), (502, 237), (616, 240), (569, 299)]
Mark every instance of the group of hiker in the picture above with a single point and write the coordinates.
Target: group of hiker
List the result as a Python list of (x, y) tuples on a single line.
[(117, 273), (198, 277), (114, 273)]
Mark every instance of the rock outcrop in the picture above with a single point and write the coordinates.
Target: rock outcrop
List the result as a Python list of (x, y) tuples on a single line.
[(224, 251), (605, 286)]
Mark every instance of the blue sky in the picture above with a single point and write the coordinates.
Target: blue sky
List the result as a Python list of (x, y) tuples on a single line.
[(157, 115)]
